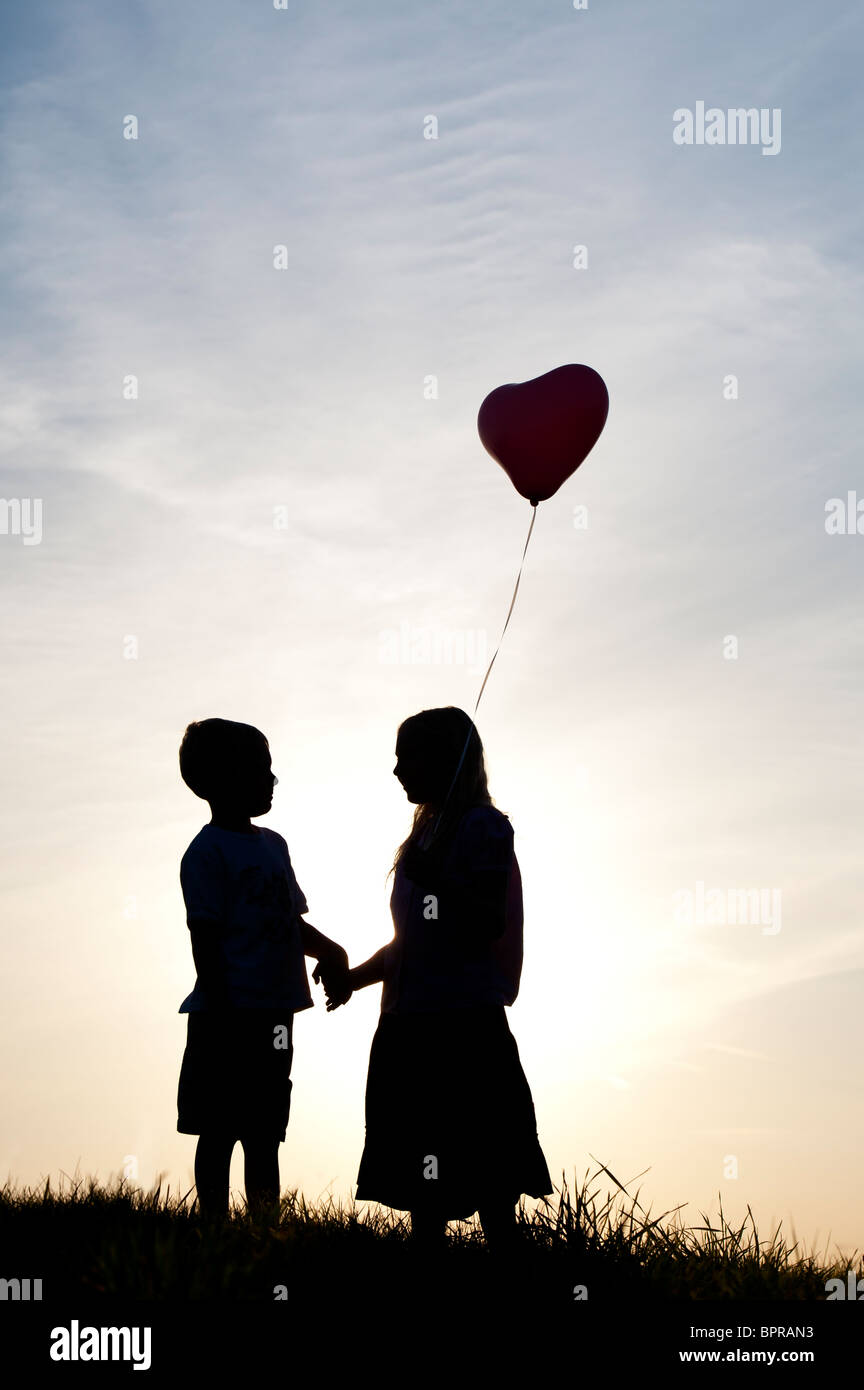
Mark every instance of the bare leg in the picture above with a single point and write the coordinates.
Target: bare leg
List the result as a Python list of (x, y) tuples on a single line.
[(261, 1171), (498, 1219), (212, 1171), (428, 1231)]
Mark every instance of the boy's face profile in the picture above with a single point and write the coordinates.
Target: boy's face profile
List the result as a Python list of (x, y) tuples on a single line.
[(245, 781)]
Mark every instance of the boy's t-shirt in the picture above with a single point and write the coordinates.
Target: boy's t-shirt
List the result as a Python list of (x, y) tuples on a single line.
[(245, 886), (433, 971)]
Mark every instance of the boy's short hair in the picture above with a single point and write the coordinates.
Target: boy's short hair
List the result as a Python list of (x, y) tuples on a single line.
[(212, 749)]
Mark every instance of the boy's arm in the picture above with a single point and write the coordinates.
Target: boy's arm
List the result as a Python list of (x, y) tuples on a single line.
[(203, 881), (320, 947), (209, 964), (332, 969)]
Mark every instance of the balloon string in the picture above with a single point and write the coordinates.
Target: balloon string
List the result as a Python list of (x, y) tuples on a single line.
[(506, 621), (489, 669)]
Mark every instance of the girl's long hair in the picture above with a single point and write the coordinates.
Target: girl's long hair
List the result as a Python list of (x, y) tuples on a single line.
[(443, 734)]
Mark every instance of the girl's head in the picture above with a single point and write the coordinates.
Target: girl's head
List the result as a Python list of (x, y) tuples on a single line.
[(429, 747)]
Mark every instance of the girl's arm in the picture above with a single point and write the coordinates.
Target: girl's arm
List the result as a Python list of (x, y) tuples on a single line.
[(472, 908), (376, 968), (475, 912)]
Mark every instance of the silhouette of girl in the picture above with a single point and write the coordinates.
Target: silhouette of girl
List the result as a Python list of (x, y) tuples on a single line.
[(450, 1122)]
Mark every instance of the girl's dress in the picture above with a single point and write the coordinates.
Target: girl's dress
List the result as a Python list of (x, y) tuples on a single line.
[(450, 1122)]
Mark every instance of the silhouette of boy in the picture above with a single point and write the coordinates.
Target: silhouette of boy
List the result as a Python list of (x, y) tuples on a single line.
[(244, 912)]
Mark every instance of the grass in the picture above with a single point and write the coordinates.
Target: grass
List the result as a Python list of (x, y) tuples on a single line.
[(100, 1242)]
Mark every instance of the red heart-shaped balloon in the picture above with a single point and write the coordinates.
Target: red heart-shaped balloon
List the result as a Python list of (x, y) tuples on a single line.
[(541, 430)]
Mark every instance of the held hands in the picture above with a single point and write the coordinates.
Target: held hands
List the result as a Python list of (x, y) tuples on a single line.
[(333, 973)]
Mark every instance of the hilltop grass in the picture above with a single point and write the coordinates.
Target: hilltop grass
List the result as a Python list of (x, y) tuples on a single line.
[(87, 1240)]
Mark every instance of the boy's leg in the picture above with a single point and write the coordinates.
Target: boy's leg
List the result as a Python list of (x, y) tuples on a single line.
[(261, 1155), (212, 1172)]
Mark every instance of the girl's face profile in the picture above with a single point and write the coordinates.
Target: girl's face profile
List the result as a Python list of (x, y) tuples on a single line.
[(413, 771)]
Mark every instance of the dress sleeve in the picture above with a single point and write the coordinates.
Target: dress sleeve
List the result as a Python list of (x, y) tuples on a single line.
[(483, 862), (486, 843), (203, 878)]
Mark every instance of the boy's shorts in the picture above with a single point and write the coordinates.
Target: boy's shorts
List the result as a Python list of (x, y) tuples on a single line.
[(236, 1073)]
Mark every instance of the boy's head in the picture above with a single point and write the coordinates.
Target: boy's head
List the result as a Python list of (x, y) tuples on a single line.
[(228, 764)]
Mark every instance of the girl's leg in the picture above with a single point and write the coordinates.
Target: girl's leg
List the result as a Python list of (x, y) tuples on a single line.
[(498, 1219), (261, 1155), (428, 1230), (212, 1170)]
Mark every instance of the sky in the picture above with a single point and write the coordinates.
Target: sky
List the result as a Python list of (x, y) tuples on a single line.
[(260, 474)]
